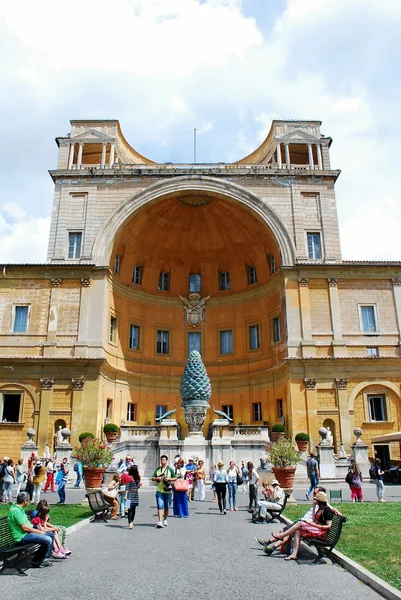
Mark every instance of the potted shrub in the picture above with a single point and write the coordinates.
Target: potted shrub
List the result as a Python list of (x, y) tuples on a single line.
[(110, 430), (278, 432), (302, 440), (95, 456), (84, 435), (284, 458)]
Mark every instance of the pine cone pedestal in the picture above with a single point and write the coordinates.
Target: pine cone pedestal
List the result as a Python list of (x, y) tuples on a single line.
[(195, 417)]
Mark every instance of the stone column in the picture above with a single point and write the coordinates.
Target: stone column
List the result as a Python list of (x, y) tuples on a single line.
[(79, 159), (325, 451), (103, 161), (64, 450), (308, 346), (339, 346), (287, 155), (397, 301), (279, 162), (29, 447), (111, 162), (46, 397), (310, 156), (52, 321), (168, 430), (71, 156), (342, 401), (77, 403), (311, 408), (360, 453), (319, 156), (86, 283)]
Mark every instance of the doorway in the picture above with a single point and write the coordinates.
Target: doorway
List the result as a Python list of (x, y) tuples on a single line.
[(382, 451)]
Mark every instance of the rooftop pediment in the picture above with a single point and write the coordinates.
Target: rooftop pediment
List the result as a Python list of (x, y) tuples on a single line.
[(94, 136), (298, 135)]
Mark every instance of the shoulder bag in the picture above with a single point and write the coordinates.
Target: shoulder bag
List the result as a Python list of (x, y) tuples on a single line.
[(181, 485)]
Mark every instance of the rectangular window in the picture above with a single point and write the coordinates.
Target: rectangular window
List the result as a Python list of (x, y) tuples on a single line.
[(280, 410), (257, 411), (224, 280), (162, 345), (314, 246), (254, 337), (21, 319), (134, 337), (226, 342), (109, 404), (252, 276), (272, 264), (116, 266), (194, 341), (195, 282), (164, 282), (137, 275), (372, 351), (276, 329), (229, 410), (74, 245), (131, 411), (160, 410), (368, 319), (10, 408), (113, 329), (377, 408)]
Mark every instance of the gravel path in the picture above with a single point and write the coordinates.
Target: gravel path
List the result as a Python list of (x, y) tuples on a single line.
[(205, 556)]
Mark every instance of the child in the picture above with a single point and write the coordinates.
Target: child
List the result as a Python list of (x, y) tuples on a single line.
[(41, 522), (59, 529), (131, 494)]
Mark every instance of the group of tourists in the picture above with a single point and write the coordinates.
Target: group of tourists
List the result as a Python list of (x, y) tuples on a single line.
[(37, 529), (41, 475)]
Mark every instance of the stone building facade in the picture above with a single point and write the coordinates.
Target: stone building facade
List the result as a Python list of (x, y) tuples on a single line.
[(138, 250)]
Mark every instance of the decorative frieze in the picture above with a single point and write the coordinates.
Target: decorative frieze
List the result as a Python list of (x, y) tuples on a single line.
[(332, 282), (341, 383), (396, 281), (303, 282), (86, 281), (310, 384), (78, 384), (46, 383), (56, 282)]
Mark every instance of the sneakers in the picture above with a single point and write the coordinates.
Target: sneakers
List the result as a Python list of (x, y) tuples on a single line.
[(307, 496), (159, 525), (382, 500), (65, 551), (43, 564), (224, 512), (58, 554), (165, 523), (269, 549), (261, 542)]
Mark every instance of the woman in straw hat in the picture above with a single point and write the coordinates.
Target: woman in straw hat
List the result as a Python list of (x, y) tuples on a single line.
[(317, 528)]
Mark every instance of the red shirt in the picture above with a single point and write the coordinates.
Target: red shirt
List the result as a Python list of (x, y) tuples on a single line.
[(125, 478)]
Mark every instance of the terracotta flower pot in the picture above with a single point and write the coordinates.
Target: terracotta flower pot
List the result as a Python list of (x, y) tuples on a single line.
[(302, 445), (93, 476), (111, 436), (285, 476), (277, 435)]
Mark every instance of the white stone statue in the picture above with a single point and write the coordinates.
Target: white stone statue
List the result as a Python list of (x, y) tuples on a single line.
[(329, 436), (59, 437), (342, 452), (47, 451)]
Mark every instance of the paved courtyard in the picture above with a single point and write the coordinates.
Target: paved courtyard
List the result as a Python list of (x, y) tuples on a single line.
[(205, 556)]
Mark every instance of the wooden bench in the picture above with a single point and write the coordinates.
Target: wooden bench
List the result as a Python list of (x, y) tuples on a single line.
[(98, 506), (13, 555), (274, 514), (326, 545)]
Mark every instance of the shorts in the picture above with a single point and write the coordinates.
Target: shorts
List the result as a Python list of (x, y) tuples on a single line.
[(163, 501)]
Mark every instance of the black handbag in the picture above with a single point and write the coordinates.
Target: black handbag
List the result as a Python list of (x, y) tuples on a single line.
[(239, 479)]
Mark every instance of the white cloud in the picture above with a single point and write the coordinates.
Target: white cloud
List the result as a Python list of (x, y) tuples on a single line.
[(23, 236)]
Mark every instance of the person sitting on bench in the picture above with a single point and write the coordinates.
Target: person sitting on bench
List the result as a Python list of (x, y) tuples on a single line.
[(22, 532), (273, 499)]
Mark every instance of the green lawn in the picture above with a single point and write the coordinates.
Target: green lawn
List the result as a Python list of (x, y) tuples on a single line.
[(65, 515), (370, 536)]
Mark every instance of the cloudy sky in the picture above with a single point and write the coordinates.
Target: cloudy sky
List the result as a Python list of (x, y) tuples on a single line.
[(227, 67)]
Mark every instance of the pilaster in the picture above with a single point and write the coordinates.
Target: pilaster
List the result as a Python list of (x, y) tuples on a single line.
[(308, 346), (77, 404), (311, 408), (46, 397), (342, 401), (339, 347)]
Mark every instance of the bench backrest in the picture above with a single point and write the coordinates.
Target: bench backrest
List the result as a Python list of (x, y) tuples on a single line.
[(285, 501), (5, 535), (96, 501), (334, 533)]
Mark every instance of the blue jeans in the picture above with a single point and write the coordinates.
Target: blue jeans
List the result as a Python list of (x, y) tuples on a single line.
[(61, 490), (232, 494), (78, 480), (313, 482), (45, 541), (163, 501)]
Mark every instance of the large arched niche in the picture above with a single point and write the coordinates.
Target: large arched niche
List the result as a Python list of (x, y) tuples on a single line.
[(108, 236)]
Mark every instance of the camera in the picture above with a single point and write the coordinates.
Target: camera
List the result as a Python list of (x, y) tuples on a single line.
[(167, 486)]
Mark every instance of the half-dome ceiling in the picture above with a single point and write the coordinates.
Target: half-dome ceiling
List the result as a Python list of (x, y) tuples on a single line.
[(194, 225)]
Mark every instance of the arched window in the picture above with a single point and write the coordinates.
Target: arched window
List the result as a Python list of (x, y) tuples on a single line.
[(164, 279), (195, 279), (224, 278)]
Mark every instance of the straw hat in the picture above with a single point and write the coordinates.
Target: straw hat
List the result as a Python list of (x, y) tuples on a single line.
[(321, 497), (220, 464)]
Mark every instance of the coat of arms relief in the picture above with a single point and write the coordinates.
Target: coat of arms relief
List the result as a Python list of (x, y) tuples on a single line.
[(194, 308)]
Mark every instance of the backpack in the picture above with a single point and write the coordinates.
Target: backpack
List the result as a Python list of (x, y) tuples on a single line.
[(76, 467), (372, 472), (349, 477), (2, 469)]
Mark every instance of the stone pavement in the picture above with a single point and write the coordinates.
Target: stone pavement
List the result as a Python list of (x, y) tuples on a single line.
[(205, 556)]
